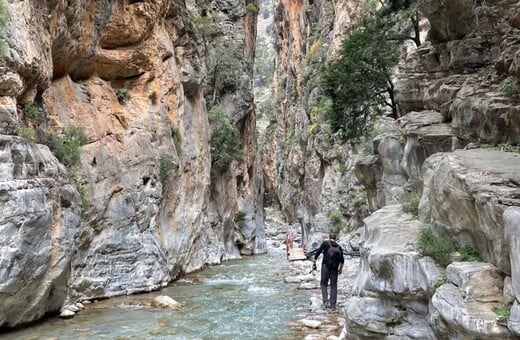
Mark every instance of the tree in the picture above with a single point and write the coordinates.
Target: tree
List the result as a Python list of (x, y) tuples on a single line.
[(360, 79), (359, 82)]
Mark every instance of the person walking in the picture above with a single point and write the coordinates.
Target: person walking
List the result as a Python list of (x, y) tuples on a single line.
[(331, 267)]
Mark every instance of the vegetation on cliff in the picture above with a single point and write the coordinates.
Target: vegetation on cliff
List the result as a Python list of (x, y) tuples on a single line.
[(359, 82), (4, 17)]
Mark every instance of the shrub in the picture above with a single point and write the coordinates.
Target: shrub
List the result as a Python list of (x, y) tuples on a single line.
[(122, 96), (224, 141), (66, 147), (30, 111), (165, 168), (28, 133), (251, 8), (508, 148), (509, 85), (368, 139), (469, 253), (504, 312), (335, 219), (432, 244), (410, 205), (84, 196)]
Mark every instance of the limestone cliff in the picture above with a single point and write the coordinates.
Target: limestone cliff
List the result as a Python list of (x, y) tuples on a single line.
[(140, 207), (454, 151), (309, 172)]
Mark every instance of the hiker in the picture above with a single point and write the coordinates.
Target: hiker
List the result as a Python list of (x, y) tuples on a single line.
[(331, 267)]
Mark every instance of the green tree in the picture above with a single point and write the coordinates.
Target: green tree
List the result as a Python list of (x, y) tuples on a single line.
[(359, 82), (224, 141)]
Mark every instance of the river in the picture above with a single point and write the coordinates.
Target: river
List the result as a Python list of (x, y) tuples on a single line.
[(240, 299)]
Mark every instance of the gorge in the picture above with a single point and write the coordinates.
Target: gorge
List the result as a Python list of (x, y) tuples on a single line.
[(129, 156)]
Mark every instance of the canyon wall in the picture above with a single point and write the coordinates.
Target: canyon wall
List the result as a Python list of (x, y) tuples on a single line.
[(137, 204), (453, 151)]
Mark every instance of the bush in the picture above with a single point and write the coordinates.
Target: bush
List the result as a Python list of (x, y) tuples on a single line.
[(66, 147), (510, 85), (165, 168), (432, 244), (251, 8), (28, 133), (122, 96), (410, 205), (224, 141), (504, 312), (30, 111), (469, 253)]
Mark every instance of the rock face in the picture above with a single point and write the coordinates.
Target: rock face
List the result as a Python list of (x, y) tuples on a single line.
[(447, 154), (453, 105), (140, 206), (307, 171)]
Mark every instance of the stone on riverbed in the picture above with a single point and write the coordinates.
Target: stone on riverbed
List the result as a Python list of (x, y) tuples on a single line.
[(299, 278), (311, 323), (67, 313), (164, 301)]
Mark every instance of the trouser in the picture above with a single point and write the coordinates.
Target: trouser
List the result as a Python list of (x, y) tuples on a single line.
[(326, 275)]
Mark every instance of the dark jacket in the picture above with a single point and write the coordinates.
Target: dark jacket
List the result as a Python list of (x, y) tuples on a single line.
[(324, 247)]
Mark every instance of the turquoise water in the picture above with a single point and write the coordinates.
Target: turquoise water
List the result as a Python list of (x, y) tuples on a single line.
[(241, 299)]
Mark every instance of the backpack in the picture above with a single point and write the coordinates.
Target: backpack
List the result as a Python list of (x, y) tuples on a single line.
[(332, 256)]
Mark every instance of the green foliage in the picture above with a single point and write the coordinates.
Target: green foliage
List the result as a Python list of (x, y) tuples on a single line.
[(430, 243), (410, 205), (66, 147), (224, 141), (509, 85), (508, 148), (4, 18), (359, 81), (84, 196), (376, 130), (165, 168), (264, 62), (28, 133), (205, 26), (122, 96), (225, 69), (30, 111), (441, 281), (469, 253), (504, 312), (335, 218), (251, 8)]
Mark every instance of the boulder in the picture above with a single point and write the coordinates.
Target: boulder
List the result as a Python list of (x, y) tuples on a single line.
[(465, 317), (466, 192), (390, 263), (166, 302), (479, 281)]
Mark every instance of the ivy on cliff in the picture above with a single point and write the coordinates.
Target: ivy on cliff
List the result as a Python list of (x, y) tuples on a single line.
[(359, 83)]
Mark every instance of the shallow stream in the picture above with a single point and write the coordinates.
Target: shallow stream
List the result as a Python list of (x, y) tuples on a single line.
[(240, 299)]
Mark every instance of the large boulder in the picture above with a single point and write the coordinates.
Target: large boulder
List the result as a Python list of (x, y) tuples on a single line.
[(466, 192)]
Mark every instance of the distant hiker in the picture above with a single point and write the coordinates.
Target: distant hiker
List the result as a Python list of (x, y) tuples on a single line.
[(331, 267)]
